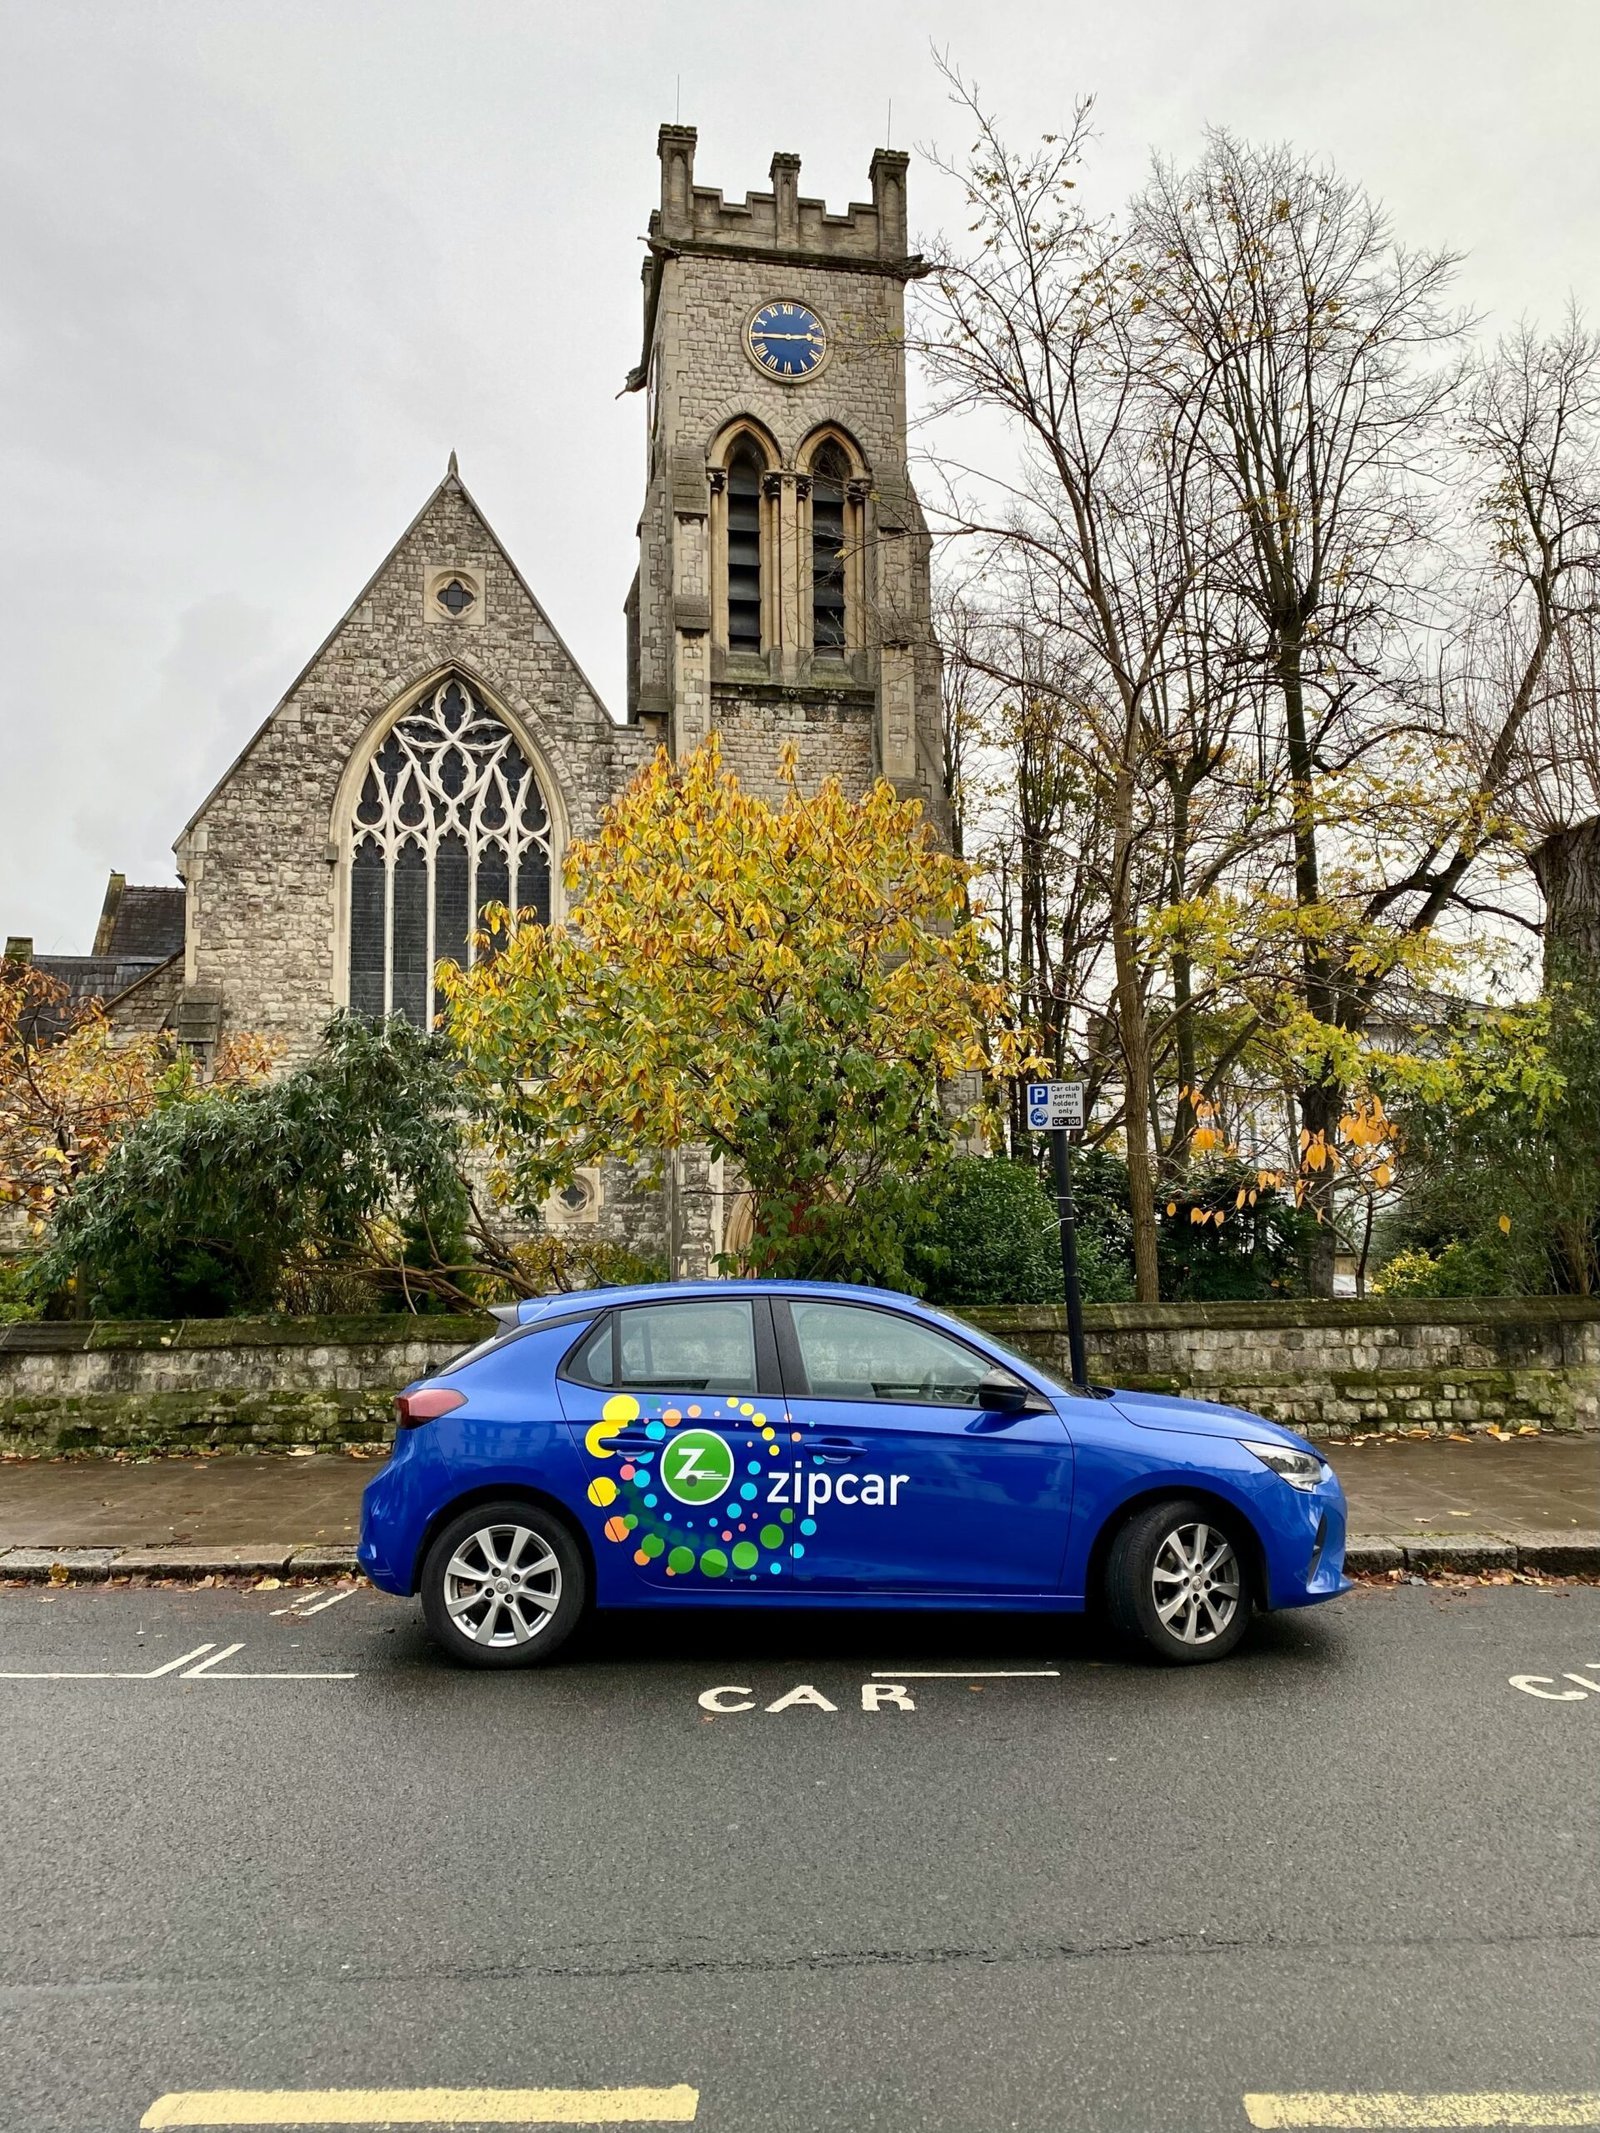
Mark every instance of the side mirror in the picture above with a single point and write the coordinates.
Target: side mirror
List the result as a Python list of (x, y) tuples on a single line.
[(999, 1395)]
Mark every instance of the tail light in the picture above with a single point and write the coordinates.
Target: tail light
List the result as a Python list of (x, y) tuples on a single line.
[(427, 1405)]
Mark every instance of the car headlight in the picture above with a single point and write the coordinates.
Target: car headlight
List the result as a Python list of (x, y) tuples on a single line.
[(1302, 1470)]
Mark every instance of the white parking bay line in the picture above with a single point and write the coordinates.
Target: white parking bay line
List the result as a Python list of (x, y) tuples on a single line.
[(1382, 2110), (333, 1600), (154, 1674), (216, 1659), (969, 1673), (424, 2107), (210, 1669)]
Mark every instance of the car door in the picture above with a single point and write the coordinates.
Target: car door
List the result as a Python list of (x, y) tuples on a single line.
[(669, 1406), (903, 1478)]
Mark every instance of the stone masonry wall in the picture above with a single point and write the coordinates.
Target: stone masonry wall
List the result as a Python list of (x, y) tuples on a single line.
[(201, 1383), (1320, 1367), (1405, 1363)]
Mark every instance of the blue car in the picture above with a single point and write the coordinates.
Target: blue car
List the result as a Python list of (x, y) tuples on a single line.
[(797, 1444)]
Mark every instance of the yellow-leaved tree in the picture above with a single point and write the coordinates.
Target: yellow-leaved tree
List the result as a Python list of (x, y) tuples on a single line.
[(70, 1088), (796, 988)]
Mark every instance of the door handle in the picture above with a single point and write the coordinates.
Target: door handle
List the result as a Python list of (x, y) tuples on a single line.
[(631, 1441), (835, 1450)]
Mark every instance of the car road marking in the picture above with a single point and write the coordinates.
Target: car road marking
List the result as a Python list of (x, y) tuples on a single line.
[(1358, 2112), (424, 2107), (1546, 1688)]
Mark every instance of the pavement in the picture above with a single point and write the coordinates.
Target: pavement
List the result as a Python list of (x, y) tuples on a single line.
[(889, 1874), (1483, 1503)]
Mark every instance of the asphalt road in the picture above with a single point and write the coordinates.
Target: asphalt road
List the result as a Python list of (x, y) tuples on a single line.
[(1354, 1858)]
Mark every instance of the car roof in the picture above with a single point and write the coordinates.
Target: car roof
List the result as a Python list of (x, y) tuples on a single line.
[(565, 1302)]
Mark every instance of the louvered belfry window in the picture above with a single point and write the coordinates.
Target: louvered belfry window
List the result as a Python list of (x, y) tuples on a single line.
[(450, 820), (744, 551), (829, 473)]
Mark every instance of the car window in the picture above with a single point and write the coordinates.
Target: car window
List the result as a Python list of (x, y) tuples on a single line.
[(687, 1347), (850, 1352), (590, 1360)]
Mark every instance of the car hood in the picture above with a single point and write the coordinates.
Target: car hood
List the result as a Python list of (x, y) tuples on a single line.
[(1204, 1418)]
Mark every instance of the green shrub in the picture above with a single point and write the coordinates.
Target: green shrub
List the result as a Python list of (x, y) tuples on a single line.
[(991, 1237), (17, 1299), (1501, 1174), (216, 1204), (1473, 1268), (1211, 1248)]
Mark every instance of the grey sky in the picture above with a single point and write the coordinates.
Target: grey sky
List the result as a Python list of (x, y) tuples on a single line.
[(264, 262)]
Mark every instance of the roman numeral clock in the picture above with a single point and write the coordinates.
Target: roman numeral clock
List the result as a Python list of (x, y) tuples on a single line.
[(786, 341)]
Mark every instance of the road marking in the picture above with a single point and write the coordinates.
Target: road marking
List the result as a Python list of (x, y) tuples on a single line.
[(424, 2107), (171, 1666), (201, 1672), (1544, 1686), (216, 1659), (1012, 1673), (322, 1606), (1332, 2112), (155, 1673)]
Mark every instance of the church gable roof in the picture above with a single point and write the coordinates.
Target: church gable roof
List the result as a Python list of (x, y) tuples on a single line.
[(450, 537)]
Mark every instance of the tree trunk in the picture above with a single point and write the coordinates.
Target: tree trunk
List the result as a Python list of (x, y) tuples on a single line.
[(1186, 1118), (1567, 869), (1321, 1101), (1134, 1035)]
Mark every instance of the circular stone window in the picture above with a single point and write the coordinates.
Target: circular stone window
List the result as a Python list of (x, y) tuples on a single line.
[(455, 598)]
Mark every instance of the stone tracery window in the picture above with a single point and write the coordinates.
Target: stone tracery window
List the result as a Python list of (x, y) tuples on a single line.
[(450, 819)]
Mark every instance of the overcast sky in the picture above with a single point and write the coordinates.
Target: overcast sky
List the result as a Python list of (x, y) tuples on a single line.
[(264, 262)]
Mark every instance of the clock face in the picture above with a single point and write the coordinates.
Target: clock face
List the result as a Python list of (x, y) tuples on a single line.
[(786, 341)]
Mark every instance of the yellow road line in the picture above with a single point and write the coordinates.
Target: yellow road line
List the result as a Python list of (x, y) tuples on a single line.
[(1380, 2110), (424, 2107)]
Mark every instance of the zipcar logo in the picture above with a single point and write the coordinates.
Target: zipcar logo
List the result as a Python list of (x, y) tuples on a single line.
[(697, 1467)]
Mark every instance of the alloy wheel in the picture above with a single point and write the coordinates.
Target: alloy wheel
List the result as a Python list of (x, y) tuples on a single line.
[(1197, 1583), (502, 1585)]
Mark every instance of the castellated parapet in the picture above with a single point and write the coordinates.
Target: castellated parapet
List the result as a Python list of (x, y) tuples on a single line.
[(783, 221)]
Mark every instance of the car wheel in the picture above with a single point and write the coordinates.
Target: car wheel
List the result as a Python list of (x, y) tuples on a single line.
[(504, 1584), (1176, 1584)]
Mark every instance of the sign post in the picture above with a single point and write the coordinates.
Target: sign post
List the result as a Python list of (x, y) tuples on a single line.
[(1056, 1108)]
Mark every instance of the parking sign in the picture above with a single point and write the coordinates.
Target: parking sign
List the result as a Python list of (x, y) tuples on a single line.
[(1055, 1106)]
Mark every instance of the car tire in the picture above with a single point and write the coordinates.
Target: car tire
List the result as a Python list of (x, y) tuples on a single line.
[(1170, 1594), (504, 1584)]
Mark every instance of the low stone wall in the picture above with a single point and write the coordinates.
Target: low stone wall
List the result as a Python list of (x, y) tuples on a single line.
[(1322, 1367), (1342, 1366), (197, 1384)]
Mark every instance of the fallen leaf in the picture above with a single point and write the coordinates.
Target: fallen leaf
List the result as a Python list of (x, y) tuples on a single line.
[(276, 1584)]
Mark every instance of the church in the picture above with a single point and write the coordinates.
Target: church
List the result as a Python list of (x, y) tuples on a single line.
[(442, 747)]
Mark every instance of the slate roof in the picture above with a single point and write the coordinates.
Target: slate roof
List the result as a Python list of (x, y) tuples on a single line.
[(148, 923), (140, 929)]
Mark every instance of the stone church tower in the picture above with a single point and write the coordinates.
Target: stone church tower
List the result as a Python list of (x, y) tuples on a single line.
[(442, 748), (783, 570)]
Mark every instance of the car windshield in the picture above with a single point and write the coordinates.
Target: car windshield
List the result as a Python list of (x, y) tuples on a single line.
[(1048, 1371)]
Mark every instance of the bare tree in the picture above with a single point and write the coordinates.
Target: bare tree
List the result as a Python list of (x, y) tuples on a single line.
[(1038, 320), (1303, 342), (1532, 658)]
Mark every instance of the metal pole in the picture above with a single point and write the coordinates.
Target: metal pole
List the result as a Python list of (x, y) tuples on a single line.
[(1061, 1159)]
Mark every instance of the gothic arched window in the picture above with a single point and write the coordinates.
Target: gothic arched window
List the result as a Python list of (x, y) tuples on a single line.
[(830, 472), (745, 469), (450, 819)]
